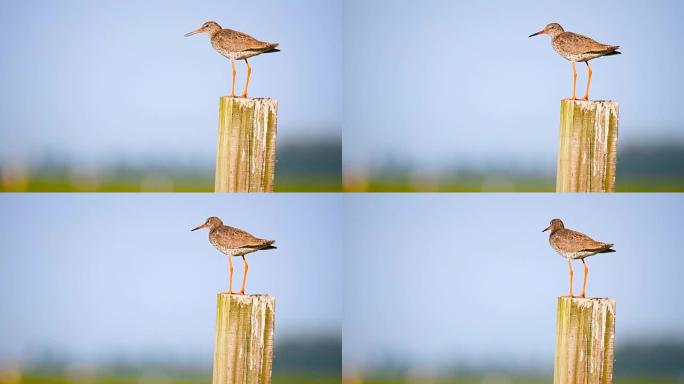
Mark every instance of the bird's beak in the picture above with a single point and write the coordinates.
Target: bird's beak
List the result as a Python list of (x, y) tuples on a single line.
[(193, 32), (537, 33), (200, 227), (547, 228)]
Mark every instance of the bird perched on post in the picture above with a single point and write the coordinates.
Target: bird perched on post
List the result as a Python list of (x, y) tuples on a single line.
[(233, 242), (576, 48), (235, 45), (574, 245)]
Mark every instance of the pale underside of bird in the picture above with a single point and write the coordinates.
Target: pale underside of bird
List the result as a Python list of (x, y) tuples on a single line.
[(235, 45), (575, 245), (233, 241), (577, 48)]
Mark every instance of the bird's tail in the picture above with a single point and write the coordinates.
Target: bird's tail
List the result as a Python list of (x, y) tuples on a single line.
[(269, 245), (273, 48), (608, 249), (614, 51)]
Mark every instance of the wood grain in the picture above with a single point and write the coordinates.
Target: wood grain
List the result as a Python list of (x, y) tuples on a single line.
[(587, 154), (246, 152), (243, 352), (585, 334)]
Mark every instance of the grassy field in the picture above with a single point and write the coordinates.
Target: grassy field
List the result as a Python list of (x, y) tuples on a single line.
[(504, 185), (509, 380), (178, 184), (287, 378)]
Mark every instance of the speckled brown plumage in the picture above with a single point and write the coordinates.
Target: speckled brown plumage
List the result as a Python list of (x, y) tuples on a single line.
[(236, 242), (239, 46), (579, 48), (233, 241), (575, 245)]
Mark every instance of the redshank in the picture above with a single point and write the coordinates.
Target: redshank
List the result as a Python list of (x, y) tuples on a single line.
[(234, 242), (235, 45), (574, 245), (577, 48)]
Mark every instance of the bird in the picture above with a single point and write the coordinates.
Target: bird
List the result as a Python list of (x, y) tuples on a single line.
[(576, 48), (575, 245), (235, 45), (234, 242)]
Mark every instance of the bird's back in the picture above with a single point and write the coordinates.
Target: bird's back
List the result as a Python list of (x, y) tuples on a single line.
[(576, 47), (227, 239), (228, 41), (574, 244)]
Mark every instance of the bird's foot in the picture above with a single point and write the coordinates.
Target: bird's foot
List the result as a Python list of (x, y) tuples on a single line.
[(244, 96), (240, 293), (570, 98), (570, 296), (227, 293), (585, 98)]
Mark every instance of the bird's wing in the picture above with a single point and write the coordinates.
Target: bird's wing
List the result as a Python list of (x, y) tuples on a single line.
[(237, 238), (575, 241), (574, 43), (239, 41)]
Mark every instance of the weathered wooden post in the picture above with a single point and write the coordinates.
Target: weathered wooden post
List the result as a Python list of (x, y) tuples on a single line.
[(587, 155), (246, 153), (243, 353), (585, 332)]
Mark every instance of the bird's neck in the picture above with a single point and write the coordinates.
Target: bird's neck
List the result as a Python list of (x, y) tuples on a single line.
[(554, 34)]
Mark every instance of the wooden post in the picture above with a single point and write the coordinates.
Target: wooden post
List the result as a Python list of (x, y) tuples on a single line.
[(585, 331), (588, 146), (246, 154), (243, 353)]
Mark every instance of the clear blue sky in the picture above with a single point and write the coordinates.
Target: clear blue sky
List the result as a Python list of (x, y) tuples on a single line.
[(439, 82), (459, 278), (98, 275), (95, 80)]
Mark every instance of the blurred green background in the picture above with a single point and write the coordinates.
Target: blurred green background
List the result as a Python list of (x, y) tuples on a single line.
[(308, 165), (638, 362), (642, 167), (312, 359)]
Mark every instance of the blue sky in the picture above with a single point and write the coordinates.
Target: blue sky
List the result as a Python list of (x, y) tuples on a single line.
[(442, 83), (445, 279), (94, 80), (97, 275)]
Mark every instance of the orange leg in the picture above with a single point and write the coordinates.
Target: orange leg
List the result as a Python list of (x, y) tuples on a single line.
[(584, 284), (586, 94), (244, 277), (249, 74), (571, 273), (574, 83), (232, 87), (230, 274)]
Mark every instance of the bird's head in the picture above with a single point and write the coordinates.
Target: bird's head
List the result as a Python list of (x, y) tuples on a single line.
[(209, 27), (552, 30), (555, 225), (211, 223)]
